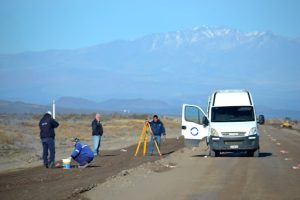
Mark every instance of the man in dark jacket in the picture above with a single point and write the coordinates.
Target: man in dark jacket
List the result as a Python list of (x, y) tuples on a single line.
[(158, 129), (97, 132), (47, 125)]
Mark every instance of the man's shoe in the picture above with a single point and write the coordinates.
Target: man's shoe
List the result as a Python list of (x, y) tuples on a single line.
[(84, 166), (46, 166), (51, 165)]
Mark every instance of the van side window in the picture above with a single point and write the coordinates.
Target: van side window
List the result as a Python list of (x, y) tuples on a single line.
[(194, 114)]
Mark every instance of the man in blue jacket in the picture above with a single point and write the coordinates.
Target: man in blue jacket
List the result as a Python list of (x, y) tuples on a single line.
[(82, 153), (47, 125), (158, 129)]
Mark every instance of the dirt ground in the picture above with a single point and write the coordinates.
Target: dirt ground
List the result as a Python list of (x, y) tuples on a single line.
[(41, 183)]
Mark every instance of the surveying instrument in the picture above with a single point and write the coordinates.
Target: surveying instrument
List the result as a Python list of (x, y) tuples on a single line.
[(144, 139)]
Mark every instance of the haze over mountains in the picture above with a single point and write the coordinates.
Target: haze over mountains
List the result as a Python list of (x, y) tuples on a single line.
[(66, 105), (80, 105), (174, 67)]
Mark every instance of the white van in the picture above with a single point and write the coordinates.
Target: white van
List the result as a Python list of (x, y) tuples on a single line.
[(230, 123)]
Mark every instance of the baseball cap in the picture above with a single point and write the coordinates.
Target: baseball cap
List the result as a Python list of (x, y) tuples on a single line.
[(75, 139)]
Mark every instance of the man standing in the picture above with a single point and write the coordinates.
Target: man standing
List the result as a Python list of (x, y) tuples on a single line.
[(158, 129), (97, 133), (82, 153), (47, 125)]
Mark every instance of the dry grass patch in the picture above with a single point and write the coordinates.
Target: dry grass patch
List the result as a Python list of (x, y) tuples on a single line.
[(9, 137)]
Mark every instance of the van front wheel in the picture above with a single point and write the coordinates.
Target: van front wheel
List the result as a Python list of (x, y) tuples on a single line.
[(256, 153), (253, 153), (213, 153)]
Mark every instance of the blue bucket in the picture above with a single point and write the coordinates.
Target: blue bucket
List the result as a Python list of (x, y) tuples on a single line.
[(67, 166), (66, 163)]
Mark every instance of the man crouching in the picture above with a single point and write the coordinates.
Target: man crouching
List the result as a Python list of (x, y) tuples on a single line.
[(82, 153)]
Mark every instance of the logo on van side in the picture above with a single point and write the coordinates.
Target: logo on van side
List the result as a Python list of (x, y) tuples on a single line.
[(194, 131)]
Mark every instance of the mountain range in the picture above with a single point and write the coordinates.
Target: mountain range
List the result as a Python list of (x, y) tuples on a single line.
[(66, 105), (126, 106), (79, 105), (174, 67)]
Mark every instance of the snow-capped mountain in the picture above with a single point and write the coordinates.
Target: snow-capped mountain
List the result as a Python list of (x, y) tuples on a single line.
[(178, 66), (202, 36)]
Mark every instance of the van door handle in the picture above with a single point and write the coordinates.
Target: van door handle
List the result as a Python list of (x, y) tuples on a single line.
[(183, 127)]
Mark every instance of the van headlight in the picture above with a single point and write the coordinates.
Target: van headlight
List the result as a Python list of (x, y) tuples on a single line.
[(253, 131), (214, 132)]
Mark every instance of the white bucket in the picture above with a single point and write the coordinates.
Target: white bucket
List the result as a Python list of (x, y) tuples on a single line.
[(66, 163)]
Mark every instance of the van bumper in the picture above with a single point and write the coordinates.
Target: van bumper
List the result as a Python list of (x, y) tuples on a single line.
[(191, 143), (234, 143)]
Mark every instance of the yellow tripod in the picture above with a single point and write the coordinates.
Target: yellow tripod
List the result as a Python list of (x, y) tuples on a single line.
[(144, 138)]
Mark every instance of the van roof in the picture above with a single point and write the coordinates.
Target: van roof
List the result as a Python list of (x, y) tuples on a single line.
[(232, 98)]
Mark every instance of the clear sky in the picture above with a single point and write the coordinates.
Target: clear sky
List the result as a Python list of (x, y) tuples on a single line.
[(33, 25)]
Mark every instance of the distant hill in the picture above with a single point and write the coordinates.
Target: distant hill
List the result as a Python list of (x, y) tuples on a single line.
[(278, 113), (76, 103), (21, 107), (79, 105), (119, 105), (175, 67)]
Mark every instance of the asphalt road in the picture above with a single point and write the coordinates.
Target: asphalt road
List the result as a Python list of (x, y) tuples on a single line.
[(229, 177), (271, 176)]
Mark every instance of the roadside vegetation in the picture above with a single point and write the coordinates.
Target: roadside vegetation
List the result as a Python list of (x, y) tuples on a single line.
[(20, 139)]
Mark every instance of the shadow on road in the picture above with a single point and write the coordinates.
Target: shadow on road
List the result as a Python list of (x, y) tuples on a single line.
[(265, 154), (237, 154), (200, 155), (243, 154), (168, 153), (94, 166), (109, 155)]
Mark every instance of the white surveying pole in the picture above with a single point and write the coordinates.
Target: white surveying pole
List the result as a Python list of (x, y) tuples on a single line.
[(53, 109)]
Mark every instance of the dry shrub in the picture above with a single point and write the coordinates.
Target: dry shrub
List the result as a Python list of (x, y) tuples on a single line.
[(115, 125), (9, 138)]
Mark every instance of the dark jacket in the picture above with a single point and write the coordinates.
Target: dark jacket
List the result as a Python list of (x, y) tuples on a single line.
[(97, 128), (47, 125), (158, 128)]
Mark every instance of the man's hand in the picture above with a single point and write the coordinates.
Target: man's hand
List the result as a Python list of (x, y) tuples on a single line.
[(147, 119), (164, 138)]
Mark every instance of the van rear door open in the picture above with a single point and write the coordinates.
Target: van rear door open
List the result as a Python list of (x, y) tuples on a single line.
[(193, 128)]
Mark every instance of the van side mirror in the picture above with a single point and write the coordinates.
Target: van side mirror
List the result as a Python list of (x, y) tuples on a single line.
[(261, 119), (205, 121)]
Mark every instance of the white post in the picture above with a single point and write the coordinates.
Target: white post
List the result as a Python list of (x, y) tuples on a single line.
[(53, 109)]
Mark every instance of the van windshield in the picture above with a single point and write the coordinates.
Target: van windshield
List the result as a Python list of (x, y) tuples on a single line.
[(232, 114)]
